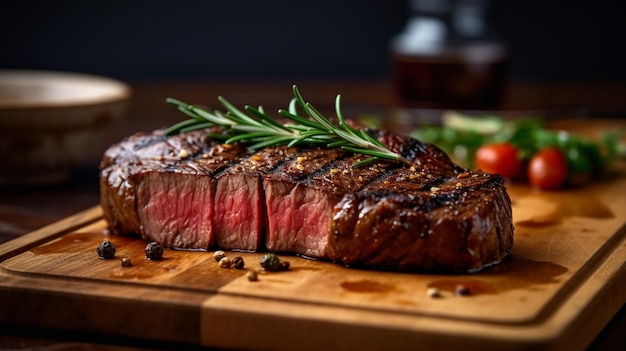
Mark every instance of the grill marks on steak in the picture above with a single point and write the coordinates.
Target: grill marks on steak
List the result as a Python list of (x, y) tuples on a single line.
[(432, 215), (239, 217), (458, 224), (298, 215), (301, 196)]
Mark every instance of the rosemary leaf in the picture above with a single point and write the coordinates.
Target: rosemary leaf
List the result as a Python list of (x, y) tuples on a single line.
[(199, 126), (367, 161), (312, 112), (237, 114), (342, 120), (293, 106), (218, 136), (270, 142), (178, 127), (265, 118), (251, 129), (248, 136), (370, 152), (300, 120), (339, 143), (371, 139)]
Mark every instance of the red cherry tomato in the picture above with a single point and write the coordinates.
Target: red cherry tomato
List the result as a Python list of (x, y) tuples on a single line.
[(501, 158), (547, 169)]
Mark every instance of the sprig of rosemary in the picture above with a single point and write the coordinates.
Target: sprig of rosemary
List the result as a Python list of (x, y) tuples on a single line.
[(257, 128)]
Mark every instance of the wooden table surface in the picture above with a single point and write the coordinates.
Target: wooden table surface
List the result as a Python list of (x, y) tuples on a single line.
[(23, 210)]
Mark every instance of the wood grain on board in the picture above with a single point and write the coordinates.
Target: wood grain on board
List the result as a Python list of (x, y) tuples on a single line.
[(565, 279)]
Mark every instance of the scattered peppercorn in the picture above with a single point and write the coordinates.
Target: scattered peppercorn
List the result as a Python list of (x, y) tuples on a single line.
[(126, 262), (106, 250), (225, 262), (461, 290), (237, 262), (218, 255), (433, 292), (271, 262), (252, 276), (154, 251)]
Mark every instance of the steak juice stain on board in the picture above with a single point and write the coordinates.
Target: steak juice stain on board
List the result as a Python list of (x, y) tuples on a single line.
[(549, 208), (366, 286), (511, 274)]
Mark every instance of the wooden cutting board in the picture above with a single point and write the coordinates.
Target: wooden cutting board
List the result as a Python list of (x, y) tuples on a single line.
[(564, 281)]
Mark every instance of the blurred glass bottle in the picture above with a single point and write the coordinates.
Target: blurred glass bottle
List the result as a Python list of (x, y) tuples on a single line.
[(446, 58)]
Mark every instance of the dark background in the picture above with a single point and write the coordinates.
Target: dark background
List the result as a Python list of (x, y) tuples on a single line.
[(549, 40)]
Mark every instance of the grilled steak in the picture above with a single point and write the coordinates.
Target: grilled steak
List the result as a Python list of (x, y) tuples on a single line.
[(188, 191)]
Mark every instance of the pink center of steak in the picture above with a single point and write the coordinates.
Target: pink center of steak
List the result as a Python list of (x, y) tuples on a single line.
[(176, 209), (239, 212), (298, 219)]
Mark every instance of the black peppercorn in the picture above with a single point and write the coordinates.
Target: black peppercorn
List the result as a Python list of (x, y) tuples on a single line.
[(126, 262), (106, 250), (218, 255), (252, 276), (154, 251), (224, 262), (237, 262), (272, 263)]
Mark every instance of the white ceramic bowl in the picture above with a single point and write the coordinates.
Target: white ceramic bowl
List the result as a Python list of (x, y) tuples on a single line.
[(51, 122)]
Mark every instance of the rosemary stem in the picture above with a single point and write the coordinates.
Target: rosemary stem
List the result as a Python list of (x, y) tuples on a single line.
[(260, 130)]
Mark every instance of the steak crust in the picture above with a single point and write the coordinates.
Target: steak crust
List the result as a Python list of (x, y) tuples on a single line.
[(188, 191)]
